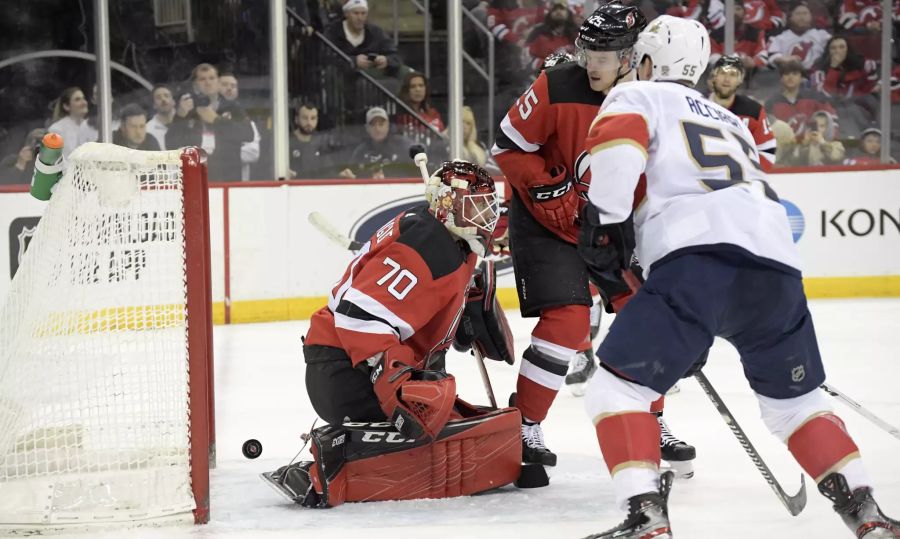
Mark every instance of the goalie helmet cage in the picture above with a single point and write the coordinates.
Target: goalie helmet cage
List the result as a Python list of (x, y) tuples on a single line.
[(106, 397)]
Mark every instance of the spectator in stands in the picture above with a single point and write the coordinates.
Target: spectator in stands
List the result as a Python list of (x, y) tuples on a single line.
[(749, 42), (70, 115), (473, 150), (218, 126), (817, 146), (785, 140), (800, 41), (309, 148), (711, 13), (19, 167), (381, 154), (795, 104), (164, 112), (765, 15), (863, 16), (230, 91), (556, 34), (132, 131), (849, 80), (414, 91), (370, 47), (869, 150), (509, 21)]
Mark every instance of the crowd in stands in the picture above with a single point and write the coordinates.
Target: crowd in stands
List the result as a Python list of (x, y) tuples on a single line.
[(813, 64)]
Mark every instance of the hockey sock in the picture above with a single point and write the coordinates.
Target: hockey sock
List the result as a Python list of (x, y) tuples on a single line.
[(822, 445), (558, 336), (657, 406), (629, 442), (627, 431)]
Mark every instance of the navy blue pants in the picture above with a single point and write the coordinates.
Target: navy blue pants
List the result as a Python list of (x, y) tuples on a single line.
[(692, 298)]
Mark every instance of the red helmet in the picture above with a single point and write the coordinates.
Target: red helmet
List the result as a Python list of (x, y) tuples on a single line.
[(463, 197)]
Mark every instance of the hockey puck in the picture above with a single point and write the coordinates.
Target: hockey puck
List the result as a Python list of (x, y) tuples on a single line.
[(532, 476), (251, 449)]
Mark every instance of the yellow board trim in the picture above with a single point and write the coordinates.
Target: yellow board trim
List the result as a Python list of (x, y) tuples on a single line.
[(881, 286), (270, 310)]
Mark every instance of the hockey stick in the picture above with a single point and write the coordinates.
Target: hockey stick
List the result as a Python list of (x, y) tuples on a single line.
[(321, 224), (485, 379), (794, 504), (884, 425)]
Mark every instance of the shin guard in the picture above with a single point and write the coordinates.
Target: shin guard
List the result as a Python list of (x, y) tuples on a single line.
[(358, 462)]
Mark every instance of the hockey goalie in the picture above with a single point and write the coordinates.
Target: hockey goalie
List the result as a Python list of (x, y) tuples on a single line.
[(374, 362)]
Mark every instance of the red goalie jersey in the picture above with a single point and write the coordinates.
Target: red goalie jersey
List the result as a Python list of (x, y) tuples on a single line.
[(408, 284)]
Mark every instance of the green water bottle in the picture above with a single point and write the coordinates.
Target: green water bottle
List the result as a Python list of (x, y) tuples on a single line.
[(47, 167)]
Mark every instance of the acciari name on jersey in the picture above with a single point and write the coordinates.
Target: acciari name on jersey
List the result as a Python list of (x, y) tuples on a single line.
[(703, 109)]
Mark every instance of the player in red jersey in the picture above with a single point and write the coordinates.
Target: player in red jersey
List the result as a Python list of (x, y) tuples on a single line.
[(727, 77), (540, 149), (370, 362)]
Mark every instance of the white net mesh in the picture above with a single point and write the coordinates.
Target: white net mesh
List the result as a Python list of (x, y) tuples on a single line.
[(94, 400)]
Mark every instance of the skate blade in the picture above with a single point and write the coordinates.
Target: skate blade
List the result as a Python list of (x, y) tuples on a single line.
[(278, 487), (683, 469), (578, 389)]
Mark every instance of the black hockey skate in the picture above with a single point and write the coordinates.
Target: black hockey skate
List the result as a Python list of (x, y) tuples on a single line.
[(858, 509), (583, 368), (677, 454), (534, 451), (648, 515), (293, 482)]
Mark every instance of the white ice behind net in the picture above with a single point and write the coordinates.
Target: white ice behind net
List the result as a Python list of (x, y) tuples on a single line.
[(94, 400)]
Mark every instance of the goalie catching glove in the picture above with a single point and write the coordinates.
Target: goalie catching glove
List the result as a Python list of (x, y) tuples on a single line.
[(417, 402)]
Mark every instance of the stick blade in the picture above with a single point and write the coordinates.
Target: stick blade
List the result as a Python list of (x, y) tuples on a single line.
[(796, 503)]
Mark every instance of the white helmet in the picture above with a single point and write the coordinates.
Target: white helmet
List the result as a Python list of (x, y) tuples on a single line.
[(679, 49)]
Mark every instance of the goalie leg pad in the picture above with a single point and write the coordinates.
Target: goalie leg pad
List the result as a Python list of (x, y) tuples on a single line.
[(359, 462)]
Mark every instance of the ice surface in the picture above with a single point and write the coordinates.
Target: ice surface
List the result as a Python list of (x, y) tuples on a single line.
[(260, 394)]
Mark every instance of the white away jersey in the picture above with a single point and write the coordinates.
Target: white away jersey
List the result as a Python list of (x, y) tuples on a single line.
[(808, 47), (704, 184)]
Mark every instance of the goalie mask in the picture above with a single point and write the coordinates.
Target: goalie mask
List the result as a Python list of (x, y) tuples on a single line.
[(463, 197)]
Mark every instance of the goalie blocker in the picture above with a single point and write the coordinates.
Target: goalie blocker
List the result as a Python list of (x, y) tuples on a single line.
[(483, 323), (477, 450)]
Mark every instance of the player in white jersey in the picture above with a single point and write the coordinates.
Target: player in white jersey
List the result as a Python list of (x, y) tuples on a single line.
[(719, 261)]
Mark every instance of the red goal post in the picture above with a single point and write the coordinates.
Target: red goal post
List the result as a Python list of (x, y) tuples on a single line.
[(106, 386)]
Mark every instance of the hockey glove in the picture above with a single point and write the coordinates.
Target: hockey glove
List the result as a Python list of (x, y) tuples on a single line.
[(605, 249), (556, 205), (417, 402)]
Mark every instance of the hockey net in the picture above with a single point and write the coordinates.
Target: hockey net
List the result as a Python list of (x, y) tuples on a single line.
[(105, 356)]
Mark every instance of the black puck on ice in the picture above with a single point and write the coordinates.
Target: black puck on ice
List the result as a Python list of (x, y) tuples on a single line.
[(532, 476), (251, 449)]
